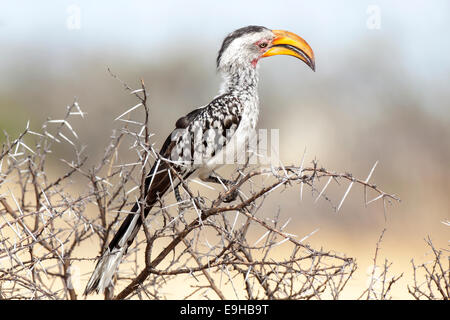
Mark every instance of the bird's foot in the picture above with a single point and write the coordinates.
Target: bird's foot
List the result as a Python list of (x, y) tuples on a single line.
[(189, 203), (230, 197), (184, 205)]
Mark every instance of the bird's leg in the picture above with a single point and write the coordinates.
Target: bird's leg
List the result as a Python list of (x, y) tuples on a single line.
[(218, 180), (176, 191), (215, 178), (183, 203)]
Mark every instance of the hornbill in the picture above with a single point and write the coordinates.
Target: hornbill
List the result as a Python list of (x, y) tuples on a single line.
[(232, 114)]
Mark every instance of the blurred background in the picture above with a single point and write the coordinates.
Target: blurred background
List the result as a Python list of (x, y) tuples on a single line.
[(380, 92)]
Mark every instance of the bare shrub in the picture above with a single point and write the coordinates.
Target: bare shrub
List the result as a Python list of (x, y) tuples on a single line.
[(44, 223), (432, 278), (381, 282)]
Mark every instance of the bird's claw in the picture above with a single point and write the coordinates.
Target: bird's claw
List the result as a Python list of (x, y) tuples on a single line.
[(199, 200), (231, 196), (188, 203), (184, 205)]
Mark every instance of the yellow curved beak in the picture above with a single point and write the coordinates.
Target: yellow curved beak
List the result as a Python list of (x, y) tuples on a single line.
[(288, 43)]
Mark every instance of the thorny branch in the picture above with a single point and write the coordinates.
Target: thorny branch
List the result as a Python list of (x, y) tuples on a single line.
[(381, 282), (46, 226), (432, 279)]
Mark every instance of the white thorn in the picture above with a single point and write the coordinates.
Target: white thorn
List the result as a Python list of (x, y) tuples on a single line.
[(345, 196), (128, 111), (309, 235), (375, 199), (371, 171), (323, 190), (262, 237)]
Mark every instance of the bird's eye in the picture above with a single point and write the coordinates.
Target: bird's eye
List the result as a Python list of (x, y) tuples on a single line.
[(263, 45)]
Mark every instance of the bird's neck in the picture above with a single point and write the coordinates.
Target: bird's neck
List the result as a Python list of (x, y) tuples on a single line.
[(243, 83), (240, 81)]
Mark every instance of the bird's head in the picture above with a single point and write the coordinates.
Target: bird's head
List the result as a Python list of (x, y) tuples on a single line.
[(244, 47)]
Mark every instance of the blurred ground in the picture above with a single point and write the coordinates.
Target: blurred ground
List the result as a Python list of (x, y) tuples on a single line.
[(372, 98)]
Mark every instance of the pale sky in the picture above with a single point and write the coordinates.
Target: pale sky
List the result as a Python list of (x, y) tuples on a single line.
[(419, 29), (144, 23)]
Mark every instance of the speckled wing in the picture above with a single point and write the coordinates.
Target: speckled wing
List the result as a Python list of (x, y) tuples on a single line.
[(201, 133), (204, 132)]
